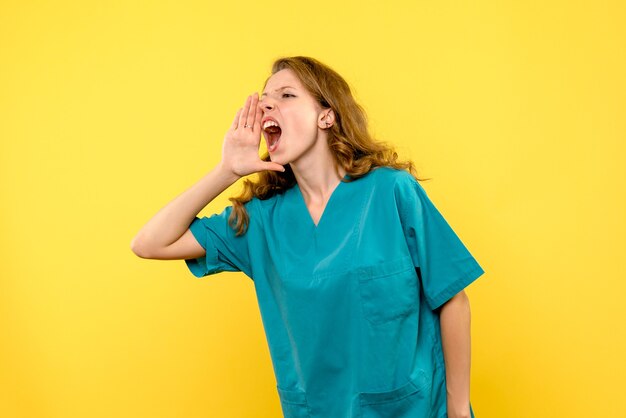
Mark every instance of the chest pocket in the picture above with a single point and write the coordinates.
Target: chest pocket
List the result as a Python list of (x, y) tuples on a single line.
[(388, 290)]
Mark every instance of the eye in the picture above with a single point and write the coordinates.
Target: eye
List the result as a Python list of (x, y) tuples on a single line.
[(287, 94)]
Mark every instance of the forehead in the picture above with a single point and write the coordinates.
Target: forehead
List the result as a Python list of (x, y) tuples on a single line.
[(280, 79)]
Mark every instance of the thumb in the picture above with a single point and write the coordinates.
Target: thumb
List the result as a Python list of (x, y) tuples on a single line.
[(273, 167)]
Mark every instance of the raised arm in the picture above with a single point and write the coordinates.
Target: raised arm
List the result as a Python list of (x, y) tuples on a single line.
[(167, 236)]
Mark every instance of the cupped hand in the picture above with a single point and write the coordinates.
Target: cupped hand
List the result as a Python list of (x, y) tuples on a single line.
[(240, 150)]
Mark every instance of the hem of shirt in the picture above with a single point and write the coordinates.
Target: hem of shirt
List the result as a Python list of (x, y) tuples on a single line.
[(456, 286), (199, 267)]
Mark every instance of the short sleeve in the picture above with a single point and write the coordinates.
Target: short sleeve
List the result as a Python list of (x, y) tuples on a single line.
[(444, 265), (224, 250)]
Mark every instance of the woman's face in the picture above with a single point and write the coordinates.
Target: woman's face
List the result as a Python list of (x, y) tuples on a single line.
[(297, 113)]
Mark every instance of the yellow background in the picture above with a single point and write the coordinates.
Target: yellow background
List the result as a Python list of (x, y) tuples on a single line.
[(111, 109)]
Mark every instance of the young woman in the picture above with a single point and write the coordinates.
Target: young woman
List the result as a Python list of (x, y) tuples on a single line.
[(358, 276)]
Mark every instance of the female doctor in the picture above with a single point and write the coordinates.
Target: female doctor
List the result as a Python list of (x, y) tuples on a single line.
[(358, 276)]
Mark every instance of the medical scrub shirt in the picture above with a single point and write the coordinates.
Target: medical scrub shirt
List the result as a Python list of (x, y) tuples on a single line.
[(350, 306)]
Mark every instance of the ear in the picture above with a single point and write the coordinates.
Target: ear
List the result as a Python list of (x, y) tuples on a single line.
[(326, 119)]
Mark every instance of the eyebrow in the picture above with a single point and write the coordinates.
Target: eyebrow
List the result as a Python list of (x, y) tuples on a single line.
[(281, 88)]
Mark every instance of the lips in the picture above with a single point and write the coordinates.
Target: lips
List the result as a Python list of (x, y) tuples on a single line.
[(268, 118)]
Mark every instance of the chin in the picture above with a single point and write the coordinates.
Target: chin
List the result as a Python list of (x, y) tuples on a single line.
[(278, 159)]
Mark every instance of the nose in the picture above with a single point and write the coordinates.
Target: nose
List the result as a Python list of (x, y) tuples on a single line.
[(265, 105)]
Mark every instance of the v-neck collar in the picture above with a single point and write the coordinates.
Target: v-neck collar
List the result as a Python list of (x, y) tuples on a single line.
[(328, 203)]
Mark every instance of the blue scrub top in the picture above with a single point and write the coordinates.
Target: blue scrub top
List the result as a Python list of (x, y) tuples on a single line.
[(350, 307)]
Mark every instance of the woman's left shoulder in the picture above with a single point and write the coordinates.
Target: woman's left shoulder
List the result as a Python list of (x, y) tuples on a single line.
[(390, 176)]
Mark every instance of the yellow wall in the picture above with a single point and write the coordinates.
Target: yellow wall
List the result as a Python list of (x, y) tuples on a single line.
[(109, 111)]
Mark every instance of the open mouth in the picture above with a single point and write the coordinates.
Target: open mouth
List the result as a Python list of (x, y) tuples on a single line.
[(272, 136)]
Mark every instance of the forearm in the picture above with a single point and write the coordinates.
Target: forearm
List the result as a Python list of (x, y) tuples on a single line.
[(173, 220), (455, 335)]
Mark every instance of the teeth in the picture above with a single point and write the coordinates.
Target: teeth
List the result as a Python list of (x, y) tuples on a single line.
[(269, 123)]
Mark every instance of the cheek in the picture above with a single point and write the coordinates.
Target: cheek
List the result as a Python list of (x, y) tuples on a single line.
[(304, 122)]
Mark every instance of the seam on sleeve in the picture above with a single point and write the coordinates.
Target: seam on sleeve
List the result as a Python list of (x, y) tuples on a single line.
[(198, 231), (220, 260), (455, 287), (403, 212), (402, 205), (199, 266)]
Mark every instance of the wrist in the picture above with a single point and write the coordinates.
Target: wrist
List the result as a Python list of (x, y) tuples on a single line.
[(226, 173), (458, 409)]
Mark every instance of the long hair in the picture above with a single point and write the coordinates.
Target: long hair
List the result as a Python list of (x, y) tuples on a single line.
[(349, 140)]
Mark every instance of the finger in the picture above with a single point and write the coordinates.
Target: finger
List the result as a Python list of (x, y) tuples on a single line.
[(236, 121), (253, 110), (274, 167), (257, 121), (244, 114)]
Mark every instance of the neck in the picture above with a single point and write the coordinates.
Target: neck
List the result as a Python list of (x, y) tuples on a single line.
[(317, 173)]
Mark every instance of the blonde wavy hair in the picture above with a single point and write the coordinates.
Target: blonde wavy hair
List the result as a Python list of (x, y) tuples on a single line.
[(352, 146)]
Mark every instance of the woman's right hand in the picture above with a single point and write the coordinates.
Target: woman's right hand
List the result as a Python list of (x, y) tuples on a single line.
[(240, 150)]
